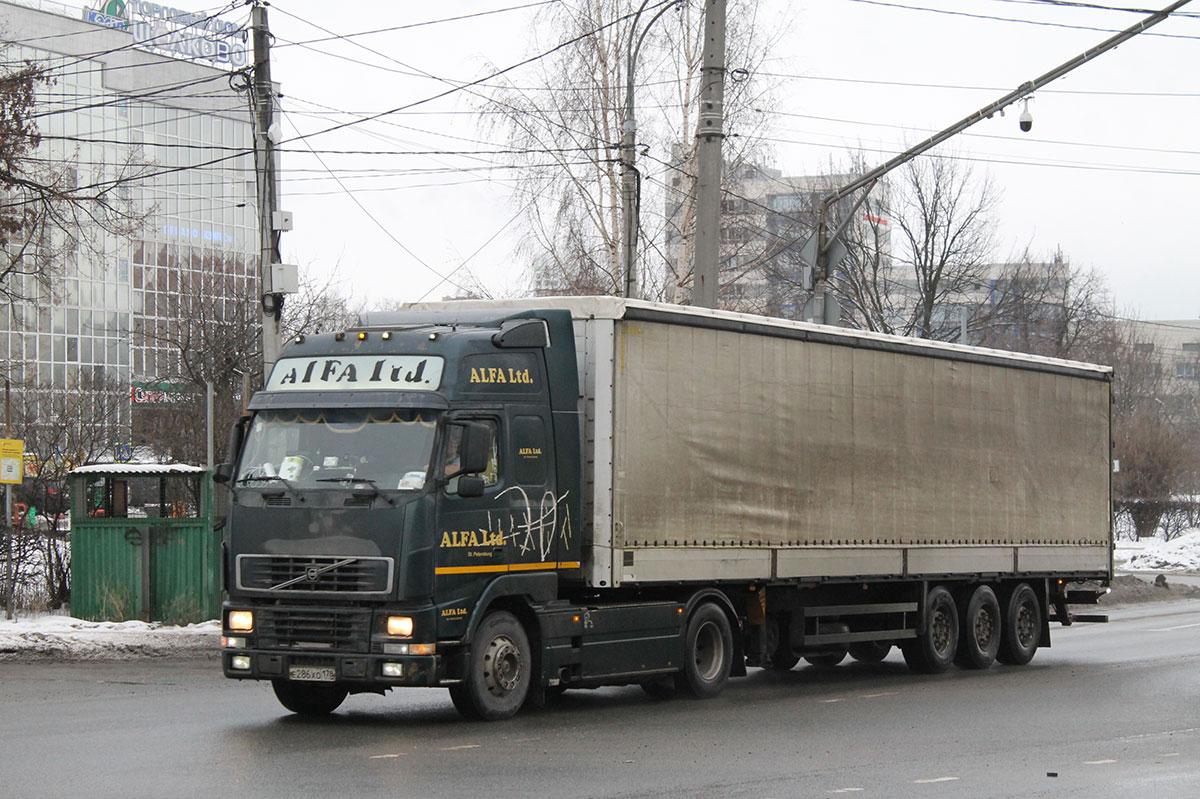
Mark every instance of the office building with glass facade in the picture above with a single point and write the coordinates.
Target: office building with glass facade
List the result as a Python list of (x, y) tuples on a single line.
[(143, 105)]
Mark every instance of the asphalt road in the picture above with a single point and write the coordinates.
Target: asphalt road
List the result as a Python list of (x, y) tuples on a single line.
[(1109, 711)]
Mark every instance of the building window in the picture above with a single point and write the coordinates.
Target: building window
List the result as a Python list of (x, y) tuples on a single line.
[(1185, 370), (1143, 348)]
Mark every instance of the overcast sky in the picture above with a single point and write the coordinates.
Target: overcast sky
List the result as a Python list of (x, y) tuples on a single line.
[(1108, 173)]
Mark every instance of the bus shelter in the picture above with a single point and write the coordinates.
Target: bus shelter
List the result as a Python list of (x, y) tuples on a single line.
[(143, 544)]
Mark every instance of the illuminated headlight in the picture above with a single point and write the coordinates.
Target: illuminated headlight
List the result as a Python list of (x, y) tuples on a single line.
[(240, 662), (400, 625), (233, 643), (393, 670), (410, 649), (241, 621)]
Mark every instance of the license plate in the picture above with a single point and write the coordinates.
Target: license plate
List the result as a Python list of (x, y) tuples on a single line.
[(312, 674)]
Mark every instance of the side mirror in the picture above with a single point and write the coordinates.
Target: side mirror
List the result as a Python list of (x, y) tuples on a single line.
[(476, 448), (237, 436), (222, 473)]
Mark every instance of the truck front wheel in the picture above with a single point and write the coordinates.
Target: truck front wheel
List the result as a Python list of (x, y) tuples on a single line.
[(498, 670), (707, 653), (308, 699), (933, 651)]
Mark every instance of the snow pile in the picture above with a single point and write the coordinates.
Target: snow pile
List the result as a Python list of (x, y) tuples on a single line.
[(53, 637), (1180, 554)]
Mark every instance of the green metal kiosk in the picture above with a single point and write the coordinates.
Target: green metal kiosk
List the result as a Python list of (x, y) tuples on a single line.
[(143, 544)]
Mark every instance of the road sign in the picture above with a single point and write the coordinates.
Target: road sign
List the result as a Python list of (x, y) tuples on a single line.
[(12, 456)]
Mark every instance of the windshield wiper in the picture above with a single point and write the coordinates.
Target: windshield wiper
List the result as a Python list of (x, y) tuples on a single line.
[(291, 489), (373, 491)]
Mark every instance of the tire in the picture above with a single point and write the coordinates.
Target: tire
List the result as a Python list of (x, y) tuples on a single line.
[(309, 699), (826, 660), (498, 670), (933, 651), (870, 651), (782, 658), (982, 623), (707, 653), (1022, 633)]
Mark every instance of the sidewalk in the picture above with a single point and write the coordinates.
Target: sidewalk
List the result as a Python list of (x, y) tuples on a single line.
[(62, 638)]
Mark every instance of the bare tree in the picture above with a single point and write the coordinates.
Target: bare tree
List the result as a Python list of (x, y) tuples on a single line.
[(1155, 436), (62, 429), (566, 124), (940, 226), (47, 214)]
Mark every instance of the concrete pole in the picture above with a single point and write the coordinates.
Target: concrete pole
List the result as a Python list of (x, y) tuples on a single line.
[(710, 135), (271, 302)]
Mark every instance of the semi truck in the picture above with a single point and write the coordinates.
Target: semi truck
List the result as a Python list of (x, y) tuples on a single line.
[(514, 498)]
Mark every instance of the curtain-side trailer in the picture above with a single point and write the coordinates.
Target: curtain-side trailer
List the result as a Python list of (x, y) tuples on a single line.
[(513, 498)]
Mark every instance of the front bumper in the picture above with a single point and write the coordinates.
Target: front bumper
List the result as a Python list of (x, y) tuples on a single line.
[(366, 671)]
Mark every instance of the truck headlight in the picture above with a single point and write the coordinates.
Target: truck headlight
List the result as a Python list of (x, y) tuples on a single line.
[(400, 625), (241, 621)]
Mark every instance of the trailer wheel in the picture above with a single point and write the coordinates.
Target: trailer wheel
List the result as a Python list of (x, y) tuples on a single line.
[(981, 626), (933, 651), (498, 670), (779, 648), (308, 699), (707, 653), (870, 651), (1022, 627), (826, 660)]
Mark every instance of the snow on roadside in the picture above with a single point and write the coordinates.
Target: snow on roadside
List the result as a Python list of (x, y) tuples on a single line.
[(1180, 554), (56, 637)]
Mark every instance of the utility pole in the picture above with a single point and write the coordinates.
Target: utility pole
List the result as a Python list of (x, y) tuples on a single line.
[(271, 300), (825, 241), (709, 137)]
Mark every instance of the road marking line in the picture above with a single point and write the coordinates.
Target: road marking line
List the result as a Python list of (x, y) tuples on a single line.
[(876, 696), (935, 779), (1169, 754), (1173, 629), (1097, 762), (846, 790), (456, 748), (831, 701), (385, 757)]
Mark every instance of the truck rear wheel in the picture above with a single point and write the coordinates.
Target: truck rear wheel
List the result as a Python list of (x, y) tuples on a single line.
[(498, 670), (981, 625), (308, 699), (933, 651), (707, 653), (1022, 632)]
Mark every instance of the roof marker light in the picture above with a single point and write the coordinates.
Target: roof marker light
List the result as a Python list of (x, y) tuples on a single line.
[(339, 336), (386, 335), (362, 336)]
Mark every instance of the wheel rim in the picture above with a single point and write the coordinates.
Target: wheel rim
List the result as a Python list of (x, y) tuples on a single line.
[(710, 651), (985, 627), (502, 666), (941, 633), (1025, 625)]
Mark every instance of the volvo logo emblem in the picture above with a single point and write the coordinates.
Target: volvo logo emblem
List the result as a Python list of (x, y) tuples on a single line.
[(312, 573)]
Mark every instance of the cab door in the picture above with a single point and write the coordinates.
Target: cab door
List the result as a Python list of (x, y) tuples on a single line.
[(535, 512)]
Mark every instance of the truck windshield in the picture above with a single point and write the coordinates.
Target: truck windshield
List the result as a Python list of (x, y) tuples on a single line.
[(307, 448)]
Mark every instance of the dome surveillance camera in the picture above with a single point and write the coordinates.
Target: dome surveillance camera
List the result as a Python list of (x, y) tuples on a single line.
[(1026, 121)]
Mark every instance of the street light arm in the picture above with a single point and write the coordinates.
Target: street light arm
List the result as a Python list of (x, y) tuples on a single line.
[(1024, 90)]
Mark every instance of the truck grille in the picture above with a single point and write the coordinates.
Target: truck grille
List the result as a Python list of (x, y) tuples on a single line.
[(309, 574), (329, 628)]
